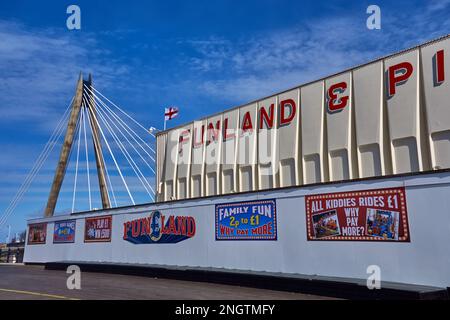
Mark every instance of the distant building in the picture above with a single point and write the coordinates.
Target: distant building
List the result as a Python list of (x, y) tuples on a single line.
[(12, 252)]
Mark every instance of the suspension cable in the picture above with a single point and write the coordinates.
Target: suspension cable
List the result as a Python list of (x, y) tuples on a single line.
[(123, 112), (36, 167), (126, 127), (76, 166), (132, 134), (130, 160), (85, 115), (123, 122), (114, 158), (105, 114), (110, 185)]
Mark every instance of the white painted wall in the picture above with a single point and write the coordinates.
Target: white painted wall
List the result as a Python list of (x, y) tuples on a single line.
[(425, 260)]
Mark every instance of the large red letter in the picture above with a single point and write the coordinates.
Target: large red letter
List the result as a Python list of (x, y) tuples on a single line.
[(336, 103), (213, 134), (135, 228), (406, 68), (291, 105), (226, 134), (195, 142), (247, 122), (265, 118), (184, 138), (190, 227), (126, 228), (440, 72)]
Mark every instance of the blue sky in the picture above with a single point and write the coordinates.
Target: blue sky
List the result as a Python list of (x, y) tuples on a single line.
[(202, 56)]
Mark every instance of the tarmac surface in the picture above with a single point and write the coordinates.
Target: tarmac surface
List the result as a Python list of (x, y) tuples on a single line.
[(24, 282)]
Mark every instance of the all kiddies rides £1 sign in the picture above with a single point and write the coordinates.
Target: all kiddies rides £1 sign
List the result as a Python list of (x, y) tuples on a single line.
[(371, 215)]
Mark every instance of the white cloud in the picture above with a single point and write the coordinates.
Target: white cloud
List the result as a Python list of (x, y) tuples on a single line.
[(249, 68), (437, 5), (40, 67)]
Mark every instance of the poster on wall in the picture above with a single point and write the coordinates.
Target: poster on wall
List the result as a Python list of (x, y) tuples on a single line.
[(159, 228), (251, 220), (370, 215), (37, 233), (98, 229), (64, 231)]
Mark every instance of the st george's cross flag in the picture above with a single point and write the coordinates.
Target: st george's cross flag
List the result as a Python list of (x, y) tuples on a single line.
[(170, 113)]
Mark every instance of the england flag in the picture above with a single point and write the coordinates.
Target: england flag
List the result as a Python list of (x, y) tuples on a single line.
[(170, 113)]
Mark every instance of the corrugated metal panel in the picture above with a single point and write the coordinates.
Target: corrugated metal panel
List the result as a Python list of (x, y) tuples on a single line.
[(405, 118), (289, 141), (387, 117), (160, 157), (247, 148), (213, 144), (198, 159), (314, 138), (184, 162), (228, 155), (340, 130), (267, 148), (370, 119), (436, 99), (170, 163)]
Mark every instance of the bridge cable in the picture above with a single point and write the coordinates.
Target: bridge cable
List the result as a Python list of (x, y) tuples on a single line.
[(130, 117), (123, 123), (76, 165), (106, 169), (102, 115), (129, 159), (146, 130), (99, 125), (129, 142), (37, 166), (110, 186), (125, 153), (114, 159), (85, 115)]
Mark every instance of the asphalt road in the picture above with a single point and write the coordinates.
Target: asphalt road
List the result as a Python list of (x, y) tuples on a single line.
[(18, 282)]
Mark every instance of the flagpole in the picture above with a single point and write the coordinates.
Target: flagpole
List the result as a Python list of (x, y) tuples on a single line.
[(165, 123)]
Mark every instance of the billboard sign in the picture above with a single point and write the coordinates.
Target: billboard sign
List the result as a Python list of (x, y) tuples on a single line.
[(370, 215), (360, 123), (159, 228), (251, 220), (37, 233), (64, 231), (98, 229)]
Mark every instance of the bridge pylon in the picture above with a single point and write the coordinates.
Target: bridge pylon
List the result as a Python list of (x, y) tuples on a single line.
[(77, 104)]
